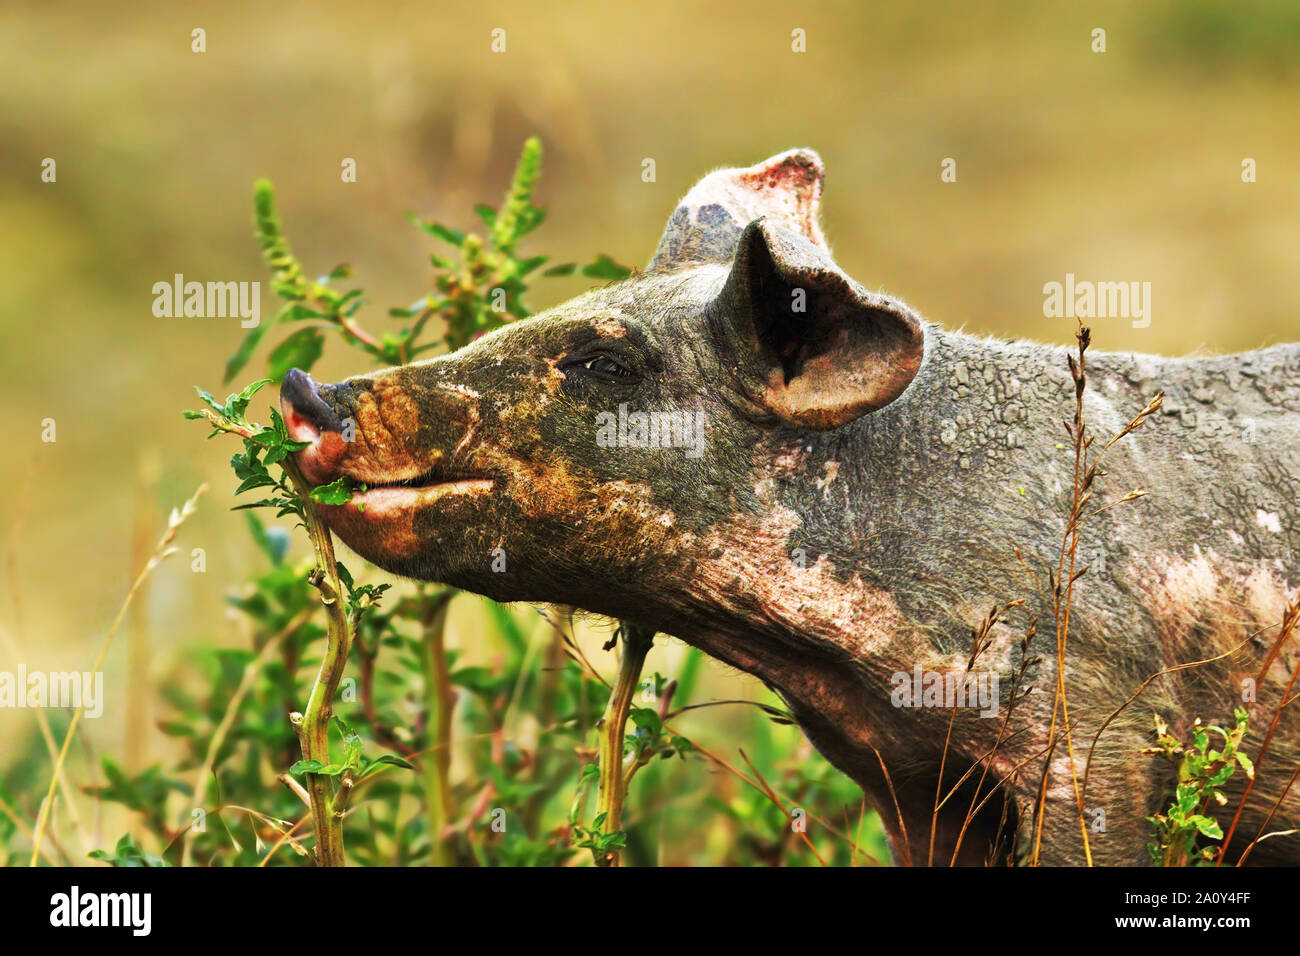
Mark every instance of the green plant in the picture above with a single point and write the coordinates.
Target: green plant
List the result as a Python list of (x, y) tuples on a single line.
[(413, 702), (486, 270), (380, 699), (1202, 773)]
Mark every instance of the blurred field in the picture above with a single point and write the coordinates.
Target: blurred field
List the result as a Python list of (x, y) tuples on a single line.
[(1124, 165)]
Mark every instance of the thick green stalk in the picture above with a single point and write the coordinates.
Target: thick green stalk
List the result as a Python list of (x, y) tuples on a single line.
[(312, 725), (439, 701), (635, 644)]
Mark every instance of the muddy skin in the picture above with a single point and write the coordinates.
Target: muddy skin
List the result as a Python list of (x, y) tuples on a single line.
[(856, 507)]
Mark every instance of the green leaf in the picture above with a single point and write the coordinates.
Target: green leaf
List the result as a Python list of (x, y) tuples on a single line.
[(255, 481), (436, 229), (315, 766), (525, 266), (529, 219), (387, 760), (300, 350), (236, 362), (1220, 777), (647, 719), (273, 546), (209, 400), (263, 503), (351, 744), (128, 853), (297, 312), (605, 268), (337, 492), (564, 269), (236, 405), (1207, 826)]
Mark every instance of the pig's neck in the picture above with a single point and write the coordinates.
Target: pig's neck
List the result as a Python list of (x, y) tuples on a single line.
[(829, 642)]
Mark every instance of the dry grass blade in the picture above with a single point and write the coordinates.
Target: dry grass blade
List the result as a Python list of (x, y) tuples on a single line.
[(1067, 575), (1289, 620), (980, 640), (1261, 836), (771, 795), (1087, 768), (251, 670), (161, 551)]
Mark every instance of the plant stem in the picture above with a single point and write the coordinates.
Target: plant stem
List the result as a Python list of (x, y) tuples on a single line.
[(636, 643), (439, 699), (312, 725)]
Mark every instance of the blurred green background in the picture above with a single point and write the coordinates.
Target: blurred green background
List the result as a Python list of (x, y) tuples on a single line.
[(1121, 166)]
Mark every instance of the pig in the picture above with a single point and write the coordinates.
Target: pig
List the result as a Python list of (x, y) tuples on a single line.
[(745, 448)]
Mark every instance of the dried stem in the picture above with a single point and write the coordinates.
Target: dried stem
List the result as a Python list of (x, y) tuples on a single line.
[(251, 670), (1067, 573), (986, 761), (161, 551), (1290, 618), (52, 749)]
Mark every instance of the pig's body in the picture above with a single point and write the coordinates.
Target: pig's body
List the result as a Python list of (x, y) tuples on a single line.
[(926, 501), (867, 486)]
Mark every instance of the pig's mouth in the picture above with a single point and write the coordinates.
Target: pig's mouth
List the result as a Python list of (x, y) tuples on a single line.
[(383, 499), (328, 456)]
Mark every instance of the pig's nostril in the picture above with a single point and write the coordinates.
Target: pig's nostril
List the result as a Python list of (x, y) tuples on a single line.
[(303, 407)]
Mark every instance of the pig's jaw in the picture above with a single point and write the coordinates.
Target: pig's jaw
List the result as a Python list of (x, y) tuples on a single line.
[(394, 489), (390, 526), (390, 501)]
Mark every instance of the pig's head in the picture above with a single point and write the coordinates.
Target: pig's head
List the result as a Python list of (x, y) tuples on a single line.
[(594, 452)]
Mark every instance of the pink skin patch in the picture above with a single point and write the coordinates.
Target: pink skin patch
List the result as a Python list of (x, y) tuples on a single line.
[(319, 461), (785, 188), (791, 184), (378, 504)]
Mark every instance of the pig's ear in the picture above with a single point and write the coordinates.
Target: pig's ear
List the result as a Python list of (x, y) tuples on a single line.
[(808, 343), (707, 223)]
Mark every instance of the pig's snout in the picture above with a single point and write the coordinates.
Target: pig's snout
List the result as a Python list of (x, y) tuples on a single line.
[(305, 412), (309, 418)]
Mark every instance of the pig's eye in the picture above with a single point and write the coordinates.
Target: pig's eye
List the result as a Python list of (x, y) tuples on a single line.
[(589, 373), (604, 365)]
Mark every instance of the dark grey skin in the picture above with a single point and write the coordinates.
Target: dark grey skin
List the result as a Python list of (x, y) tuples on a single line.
[(870, 487)]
